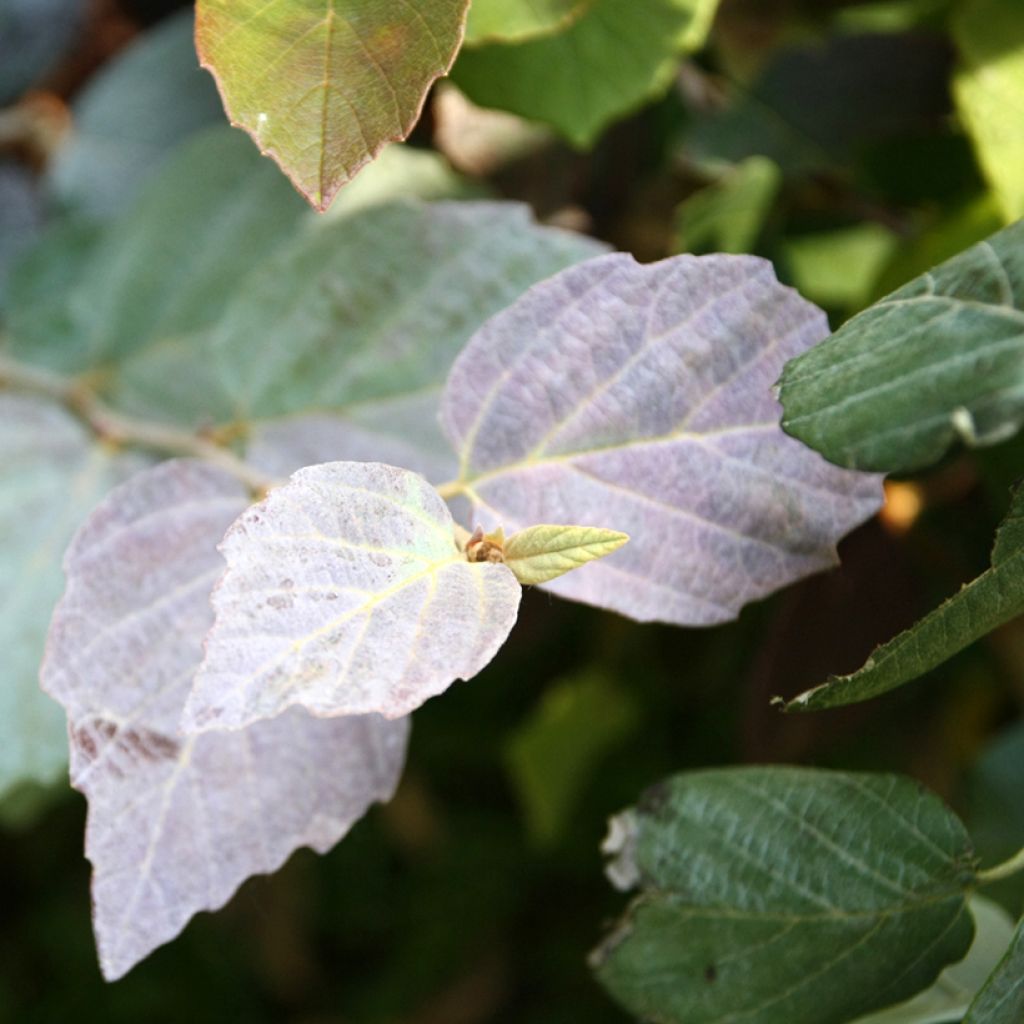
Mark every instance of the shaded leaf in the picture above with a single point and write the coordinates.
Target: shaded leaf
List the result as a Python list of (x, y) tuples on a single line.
[(989, 91), (52, 472), (606, 63), (939, 360), (34, 34), (21, 218), (517, 20), (541, 553), (983, 604), (785, 895), (345, 593), (177, 824), (336, 79), (127, 119), (639, 398), (1001, 1001)]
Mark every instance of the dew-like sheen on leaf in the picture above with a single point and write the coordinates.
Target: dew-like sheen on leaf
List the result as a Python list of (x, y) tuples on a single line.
[(345, 593), (323, 85), (638, 398), (176, 823)]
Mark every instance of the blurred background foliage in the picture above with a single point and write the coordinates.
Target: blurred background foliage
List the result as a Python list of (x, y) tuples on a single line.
[(821, 134)]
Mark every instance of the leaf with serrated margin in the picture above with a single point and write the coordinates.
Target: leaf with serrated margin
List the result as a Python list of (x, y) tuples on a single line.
[(514, 21), (52, 472), (323, 85), (638, 398), (346, 593), (1001, 1001), (176, 823), (939, 360), (542, 553), (784, 896), (995, 597)]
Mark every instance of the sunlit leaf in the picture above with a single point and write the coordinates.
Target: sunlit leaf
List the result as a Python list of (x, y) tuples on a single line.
[(784, 896), (1001, 1001), (511, 21), (938, 361), (542, 553), (638, 398), (177, 824), (346, 593), (993, 598), (52, 472), (322, 86)]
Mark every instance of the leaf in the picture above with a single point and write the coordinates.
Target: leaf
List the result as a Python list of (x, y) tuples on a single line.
[(345, 593), (983, 604), (541, 553), (786, 895), (51, 475), (948, 999), (639, 397), (989, 92), (937, 361), (552, 754), (1001, 1001), (513, 21), (129, 117), (21, 218), (605, 64), (34, 34), (176, 824), (334, 80)]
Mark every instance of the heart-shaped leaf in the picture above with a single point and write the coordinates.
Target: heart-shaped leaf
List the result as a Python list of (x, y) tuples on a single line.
[(542, 553), (322, 86), (346, 593), (638, 398), (177, 824)]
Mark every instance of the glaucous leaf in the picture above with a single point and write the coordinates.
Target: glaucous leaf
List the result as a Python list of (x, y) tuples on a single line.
[(346, 593), (510, 21), (52, 472), (948, 999), (542, 553), (34, 34), (784, 896), (639, 398), (939, 360), (21, 218), (1001, 1001), (336, 79), (128, 117), (989, 91), (177, 823), (606, 63), (983, 604)]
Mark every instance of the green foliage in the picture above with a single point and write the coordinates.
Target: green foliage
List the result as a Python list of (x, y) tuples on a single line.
[(510, 21), (1001, 1001)]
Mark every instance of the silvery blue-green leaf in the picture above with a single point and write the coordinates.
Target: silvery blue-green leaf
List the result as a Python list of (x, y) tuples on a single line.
[(1001, 1001), (346, 593), (639, 399), (939, 361), (176, 823), (52, 472), (784, 896)]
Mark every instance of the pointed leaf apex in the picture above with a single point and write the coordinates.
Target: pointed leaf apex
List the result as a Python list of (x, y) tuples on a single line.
[(542, 553)]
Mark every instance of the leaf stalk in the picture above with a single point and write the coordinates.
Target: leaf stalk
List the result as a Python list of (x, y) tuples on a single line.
[(1010, 867)]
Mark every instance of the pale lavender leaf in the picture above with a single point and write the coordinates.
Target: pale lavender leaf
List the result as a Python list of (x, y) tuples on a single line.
[(177, 823), (346, 593), (639, 398)]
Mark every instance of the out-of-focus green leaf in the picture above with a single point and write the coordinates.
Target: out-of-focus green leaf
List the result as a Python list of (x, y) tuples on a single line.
[(729, 214), (509, 21), (604, 65), (939, 360), (21, 218), (336, 79), (130, 116), (784, 896), (552, 754), (1001, 1001), (989, 90), (993, 598)]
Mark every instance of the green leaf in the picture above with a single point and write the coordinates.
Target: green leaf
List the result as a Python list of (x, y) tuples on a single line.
[(948, 999), (729, 214), (541, 553), (989, 91), (784, 896), (510, 21), (551, 755), (604, 65), (1001, 1001), (336, 79), (993, 598), (937, 361)]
